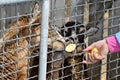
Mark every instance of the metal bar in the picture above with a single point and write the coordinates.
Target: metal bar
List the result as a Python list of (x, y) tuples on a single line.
[(68, 4), (44, 40), (2, 2)]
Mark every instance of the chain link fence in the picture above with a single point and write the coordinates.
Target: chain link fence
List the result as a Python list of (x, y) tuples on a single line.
[(35, 39)]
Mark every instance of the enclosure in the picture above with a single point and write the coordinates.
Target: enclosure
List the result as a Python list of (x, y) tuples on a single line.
[(35, 34)]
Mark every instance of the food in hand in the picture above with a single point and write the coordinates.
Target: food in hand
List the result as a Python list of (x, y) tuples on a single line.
[(94, 51)]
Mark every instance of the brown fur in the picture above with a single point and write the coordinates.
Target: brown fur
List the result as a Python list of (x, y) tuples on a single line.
[(16, 51)]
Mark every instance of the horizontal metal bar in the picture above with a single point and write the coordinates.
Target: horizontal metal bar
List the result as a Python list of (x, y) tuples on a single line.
[(2, 2)]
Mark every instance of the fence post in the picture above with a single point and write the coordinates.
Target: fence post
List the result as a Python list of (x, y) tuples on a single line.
[(68, 4), (86, 17), (44, 40), (104, 61)]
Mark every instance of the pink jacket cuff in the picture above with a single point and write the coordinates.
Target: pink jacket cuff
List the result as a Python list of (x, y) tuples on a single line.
[(113, 44)]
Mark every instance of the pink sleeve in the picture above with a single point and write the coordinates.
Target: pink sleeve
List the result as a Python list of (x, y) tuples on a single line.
[(113, 44)]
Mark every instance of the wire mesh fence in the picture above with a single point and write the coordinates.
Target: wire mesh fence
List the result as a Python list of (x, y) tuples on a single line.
[(76, 22)]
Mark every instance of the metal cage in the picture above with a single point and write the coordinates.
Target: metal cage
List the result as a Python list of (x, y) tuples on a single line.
[(35, 36)]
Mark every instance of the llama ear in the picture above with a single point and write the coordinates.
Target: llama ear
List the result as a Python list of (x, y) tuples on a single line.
[(92, 31), (36, 10), (36, 14)]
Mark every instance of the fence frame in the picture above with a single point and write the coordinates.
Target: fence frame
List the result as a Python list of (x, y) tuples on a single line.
[(2, 2)]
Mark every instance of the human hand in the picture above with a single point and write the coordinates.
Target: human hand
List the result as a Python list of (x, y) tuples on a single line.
[(102, 49)]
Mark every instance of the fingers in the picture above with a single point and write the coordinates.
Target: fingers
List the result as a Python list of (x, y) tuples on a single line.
[(87, 62), (90, 60), (93, 58), (89, 48)]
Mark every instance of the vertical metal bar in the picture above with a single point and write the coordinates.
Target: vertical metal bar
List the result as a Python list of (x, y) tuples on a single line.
[(86, 17), (67, 4), (2, 22), (44, 40)]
